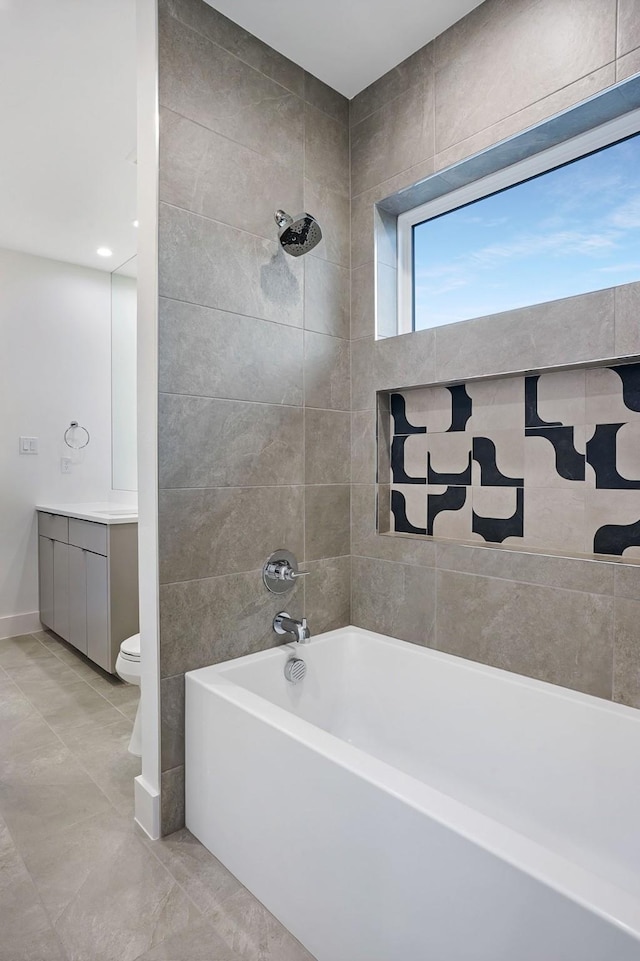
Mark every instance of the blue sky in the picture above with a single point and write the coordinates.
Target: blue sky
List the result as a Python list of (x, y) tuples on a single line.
[(569, 231)]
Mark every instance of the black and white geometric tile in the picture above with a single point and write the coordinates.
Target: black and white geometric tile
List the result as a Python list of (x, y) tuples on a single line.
[(548, 461)]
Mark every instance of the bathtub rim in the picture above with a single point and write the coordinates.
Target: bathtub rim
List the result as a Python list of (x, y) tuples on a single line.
[(590, 891)]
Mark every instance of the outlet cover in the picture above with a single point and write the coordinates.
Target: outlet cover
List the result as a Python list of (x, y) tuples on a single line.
[(65, 465)]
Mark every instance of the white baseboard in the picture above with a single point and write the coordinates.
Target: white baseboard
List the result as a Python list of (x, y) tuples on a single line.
[(15, 624), (147, 808)]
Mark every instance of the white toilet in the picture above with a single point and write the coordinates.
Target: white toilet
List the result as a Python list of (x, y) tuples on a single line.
[(128, 668)]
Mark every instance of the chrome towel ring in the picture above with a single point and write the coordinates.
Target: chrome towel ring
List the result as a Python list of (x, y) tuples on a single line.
[(70, 436)]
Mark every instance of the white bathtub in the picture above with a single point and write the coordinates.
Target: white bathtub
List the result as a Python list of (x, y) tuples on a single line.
[(400, 804)]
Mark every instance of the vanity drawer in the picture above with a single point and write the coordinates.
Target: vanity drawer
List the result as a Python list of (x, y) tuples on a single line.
[(91, 537), (54, 526)]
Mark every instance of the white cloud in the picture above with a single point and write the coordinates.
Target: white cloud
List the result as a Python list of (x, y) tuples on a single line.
[(627, 215), (614, 268)]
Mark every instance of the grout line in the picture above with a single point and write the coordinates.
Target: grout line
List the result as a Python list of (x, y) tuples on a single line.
[(254, 487), (287, 166), (221, 223), (491, 577), (482, 130), (263, 238), (304, 383), (256, 571), (214, 43), (231, 313), (261, 320), (234, 400), (302, 97)]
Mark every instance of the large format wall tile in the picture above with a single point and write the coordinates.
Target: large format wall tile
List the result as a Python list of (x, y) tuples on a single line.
[(363, 446), (396, 81), (326, 297), (394, 599), (225, 33), (203, 82), (363, 301), (397, 136), (204, 533), (564, 331), (325, 98), (627, 581), (211, 175), (528, 116), (326, 150), (627, 319), (332, 210), (626, 652), (628, 26), (172, 722), (517, 627), (328, 594), (326, 372), (327, 521), (204, 262), (214, 619), (629, 65), (172, 802), (327, 436), (214, 353), (204, 442), (507, 54), (384, 364), (546, 570)]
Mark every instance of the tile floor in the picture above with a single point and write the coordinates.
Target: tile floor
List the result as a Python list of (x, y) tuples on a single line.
[(79, 881)]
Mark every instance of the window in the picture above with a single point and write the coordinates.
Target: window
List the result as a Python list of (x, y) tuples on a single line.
[(561, 223)]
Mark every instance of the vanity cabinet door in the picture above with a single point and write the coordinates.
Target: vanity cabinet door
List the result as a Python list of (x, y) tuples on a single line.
[(45, 577), (61, 589), (98, 647), (77, 598)]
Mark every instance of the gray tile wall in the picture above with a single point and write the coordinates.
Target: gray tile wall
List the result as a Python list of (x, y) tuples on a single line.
[(254, 422), (506, 66), (256, 348)]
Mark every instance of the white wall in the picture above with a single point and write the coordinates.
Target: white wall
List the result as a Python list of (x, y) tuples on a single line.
[(124, 426), (55, 366)]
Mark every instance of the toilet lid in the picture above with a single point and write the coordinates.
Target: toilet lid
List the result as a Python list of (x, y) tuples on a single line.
[(131, 646)]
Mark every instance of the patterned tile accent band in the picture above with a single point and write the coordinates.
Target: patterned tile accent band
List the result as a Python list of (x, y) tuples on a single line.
[(549, 461)]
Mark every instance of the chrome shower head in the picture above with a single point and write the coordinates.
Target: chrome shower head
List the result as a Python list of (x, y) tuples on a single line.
[(298, 236)]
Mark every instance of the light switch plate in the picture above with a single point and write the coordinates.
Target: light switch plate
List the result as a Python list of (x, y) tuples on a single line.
[(28, 445)]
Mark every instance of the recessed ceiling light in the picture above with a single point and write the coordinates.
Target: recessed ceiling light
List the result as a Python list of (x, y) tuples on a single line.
[(134, 223), (104, 252)]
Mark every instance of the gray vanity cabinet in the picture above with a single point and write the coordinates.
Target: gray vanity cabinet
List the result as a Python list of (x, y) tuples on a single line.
[(45, 553), (89, 584), (77, 599), (61, 589), (98, 646)]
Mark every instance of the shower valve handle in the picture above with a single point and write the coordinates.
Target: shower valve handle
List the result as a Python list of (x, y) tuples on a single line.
[(282, 571)]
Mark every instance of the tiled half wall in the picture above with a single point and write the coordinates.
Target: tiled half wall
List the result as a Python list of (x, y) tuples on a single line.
[(548, 461)]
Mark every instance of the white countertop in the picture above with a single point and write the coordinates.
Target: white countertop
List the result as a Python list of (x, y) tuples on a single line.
[(102, 513)]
